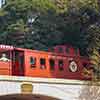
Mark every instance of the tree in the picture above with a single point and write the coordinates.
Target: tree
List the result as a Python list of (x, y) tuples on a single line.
[(62, 19), (20, 10), (92, 90)]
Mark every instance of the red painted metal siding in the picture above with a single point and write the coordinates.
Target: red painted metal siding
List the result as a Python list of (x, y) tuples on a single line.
[(57, 73), (5, 68), (61, 67)]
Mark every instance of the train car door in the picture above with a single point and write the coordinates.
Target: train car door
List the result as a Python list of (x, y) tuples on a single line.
[(18, 63)]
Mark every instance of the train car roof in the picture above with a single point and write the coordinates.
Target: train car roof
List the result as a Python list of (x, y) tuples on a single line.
[(45, 52), (38, 51), (8, 47)]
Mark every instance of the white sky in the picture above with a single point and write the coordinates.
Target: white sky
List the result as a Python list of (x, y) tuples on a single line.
[(0, 3)]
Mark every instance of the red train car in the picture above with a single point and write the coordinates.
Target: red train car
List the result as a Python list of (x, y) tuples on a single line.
[(63, 61)]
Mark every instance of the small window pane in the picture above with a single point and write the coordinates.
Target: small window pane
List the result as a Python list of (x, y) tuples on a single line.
[(52, 50), (32, 60), (85, 64), (60, 63), (60, 50), (52, 64), (76, 51), (42, 63), (67, 50), (5, 56)]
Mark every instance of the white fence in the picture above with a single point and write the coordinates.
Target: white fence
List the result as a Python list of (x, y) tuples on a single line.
[(59, 88)]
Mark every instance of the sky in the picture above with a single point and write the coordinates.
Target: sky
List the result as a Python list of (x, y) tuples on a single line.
[(0, 3)]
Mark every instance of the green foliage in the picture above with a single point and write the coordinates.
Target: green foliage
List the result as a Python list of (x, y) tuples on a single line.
[(68, 21), (2, 12), (18, 26), (43, 5), (61, 5)]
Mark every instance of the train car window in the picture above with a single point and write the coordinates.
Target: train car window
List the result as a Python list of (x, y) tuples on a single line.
[(76, 51), (60, 64), (5, 56), (85, 64), (52, 50), (42, 63), (67, 50), (33, 62), (52, 64), (60, 50)]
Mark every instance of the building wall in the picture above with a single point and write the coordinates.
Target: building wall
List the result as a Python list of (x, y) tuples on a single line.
[(57, 88)]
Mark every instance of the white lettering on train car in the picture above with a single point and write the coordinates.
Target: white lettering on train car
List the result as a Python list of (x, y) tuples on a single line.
[(6, 47)]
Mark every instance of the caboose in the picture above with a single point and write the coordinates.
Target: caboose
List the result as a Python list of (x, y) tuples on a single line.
[(62, 61)]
